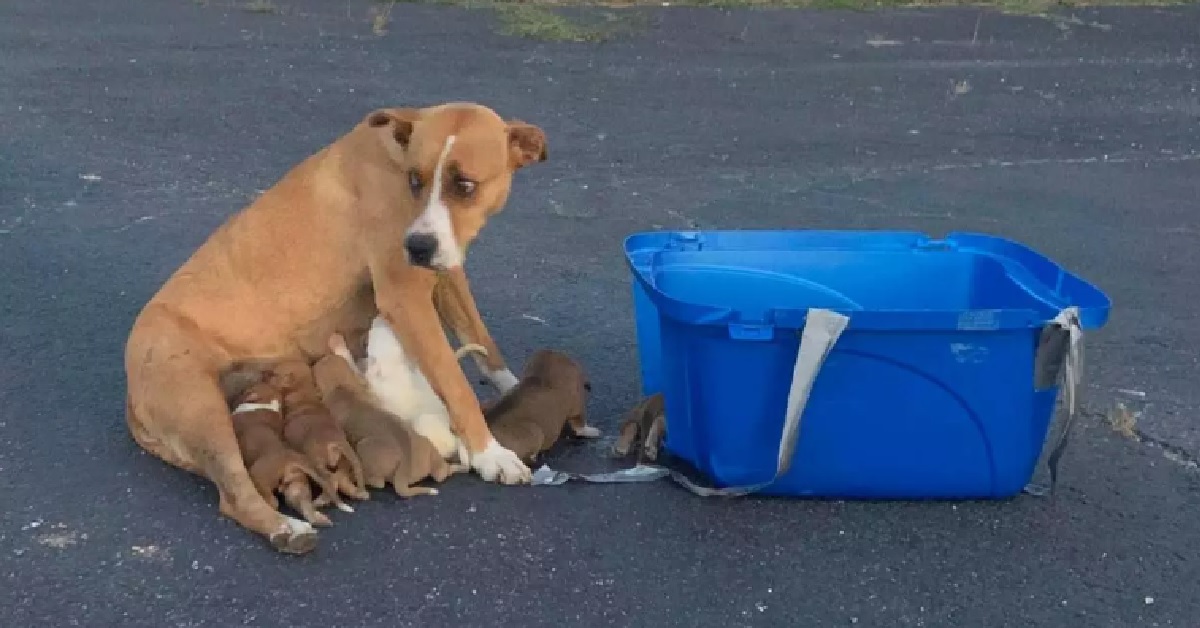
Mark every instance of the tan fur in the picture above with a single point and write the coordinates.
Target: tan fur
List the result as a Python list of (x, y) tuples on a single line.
[(310, 428), (320, 251), (272, 465), (643, 427), (389, 449), (552, 394)]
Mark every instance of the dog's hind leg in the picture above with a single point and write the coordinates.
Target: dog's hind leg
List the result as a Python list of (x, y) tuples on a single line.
[(205, 432), (413, 491), (440, 470), (629, 431), (178, 413), (654, 437), (298, 494), (375, 460), (349, 474), (407, 473), (580, 428)]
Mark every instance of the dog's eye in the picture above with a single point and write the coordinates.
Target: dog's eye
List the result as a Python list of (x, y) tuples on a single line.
[(414, 182), (464, 187)]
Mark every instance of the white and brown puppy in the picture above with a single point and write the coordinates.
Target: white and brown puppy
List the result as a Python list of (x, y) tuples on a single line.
[(376, 223)]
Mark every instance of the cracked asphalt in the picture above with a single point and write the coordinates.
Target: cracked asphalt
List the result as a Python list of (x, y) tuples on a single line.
[(132, 129)]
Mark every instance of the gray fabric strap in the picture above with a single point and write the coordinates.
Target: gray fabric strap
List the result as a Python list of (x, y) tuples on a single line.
[(822, 328), (1061, 343)]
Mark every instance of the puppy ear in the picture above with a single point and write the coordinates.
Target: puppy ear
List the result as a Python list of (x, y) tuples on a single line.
[(526, 144), (398, 121)]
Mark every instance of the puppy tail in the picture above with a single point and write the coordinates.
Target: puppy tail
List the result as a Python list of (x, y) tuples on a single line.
[(470, 348)]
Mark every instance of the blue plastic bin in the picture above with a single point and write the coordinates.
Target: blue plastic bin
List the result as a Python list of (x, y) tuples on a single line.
[(929, 392)]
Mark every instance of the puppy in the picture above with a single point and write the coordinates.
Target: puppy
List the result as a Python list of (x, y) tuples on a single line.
[(552, 393), (398, 386), (388, 448), (309, 428), (273, 466), (646, 421)]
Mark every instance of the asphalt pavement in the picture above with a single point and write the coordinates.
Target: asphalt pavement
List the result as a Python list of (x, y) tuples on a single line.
[(132, 129)]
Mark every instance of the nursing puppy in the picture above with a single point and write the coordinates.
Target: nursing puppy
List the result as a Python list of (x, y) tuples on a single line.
[(397, 385), (388, 448), (643, 427), (309, 428), (273, 466), (552, 393)]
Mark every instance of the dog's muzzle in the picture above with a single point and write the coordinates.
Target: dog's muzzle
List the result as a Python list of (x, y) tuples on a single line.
[(421, 248)]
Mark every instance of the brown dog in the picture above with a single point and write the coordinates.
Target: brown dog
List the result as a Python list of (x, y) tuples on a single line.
[(359, 228), (273, 466), (552, 394), (308, 427), (644, 426), (389, 449)]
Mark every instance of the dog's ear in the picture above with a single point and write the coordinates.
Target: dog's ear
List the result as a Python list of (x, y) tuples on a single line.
[(398, 121), (526, 144)]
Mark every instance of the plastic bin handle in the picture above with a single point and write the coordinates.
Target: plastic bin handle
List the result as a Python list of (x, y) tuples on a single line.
[(1068, 323), (822, 328)]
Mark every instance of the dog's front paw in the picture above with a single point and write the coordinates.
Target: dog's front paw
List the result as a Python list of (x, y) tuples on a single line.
[(497, 463), (503, 380), (294, 537)]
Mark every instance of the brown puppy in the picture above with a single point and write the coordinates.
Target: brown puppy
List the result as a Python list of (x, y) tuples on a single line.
[(360, 228), (389, 449), (644, 426), (273, 466), (552, 394), (309, 428)]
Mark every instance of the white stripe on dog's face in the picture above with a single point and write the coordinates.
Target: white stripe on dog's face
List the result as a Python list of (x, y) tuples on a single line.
[(435, 219)]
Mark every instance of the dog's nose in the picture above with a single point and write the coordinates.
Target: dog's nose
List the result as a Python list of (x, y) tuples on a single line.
[(421, 247)]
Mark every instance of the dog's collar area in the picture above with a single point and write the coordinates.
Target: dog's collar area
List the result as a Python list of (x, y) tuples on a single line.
[(252, 407)]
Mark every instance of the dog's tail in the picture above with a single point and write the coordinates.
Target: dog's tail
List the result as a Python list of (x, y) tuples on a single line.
[(469, 348)]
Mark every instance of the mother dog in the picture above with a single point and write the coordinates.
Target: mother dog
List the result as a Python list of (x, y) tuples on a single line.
[(378, 221)]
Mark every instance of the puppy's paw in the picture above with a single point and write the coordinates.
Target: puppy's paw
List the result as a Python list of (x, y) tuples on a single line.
[(503, 380), (294, 537), (337, 346), (588, 431), (497, 463)]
